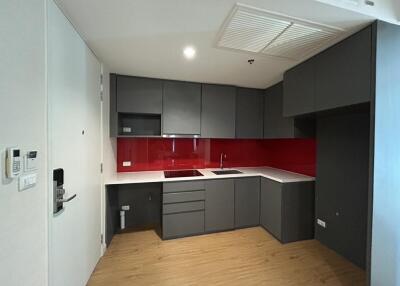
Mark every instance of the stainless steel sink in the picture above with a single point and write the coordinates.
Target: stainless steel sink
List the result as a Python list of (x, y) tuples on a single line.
[(226, 172)]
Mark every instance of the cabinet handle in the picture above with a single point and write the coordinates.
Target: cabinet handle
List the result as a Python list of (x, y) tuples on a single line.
[(66, 200)]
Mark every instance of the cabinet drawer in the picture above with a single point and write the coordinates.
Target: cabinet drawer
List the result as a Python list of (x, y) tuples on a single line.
[(183, 197), (183, 207), (183, 186), (182, 224)]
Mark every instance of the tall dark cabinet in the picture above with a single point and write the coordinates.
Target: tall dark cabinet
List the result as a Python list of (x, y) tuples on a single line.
[(342, 182)]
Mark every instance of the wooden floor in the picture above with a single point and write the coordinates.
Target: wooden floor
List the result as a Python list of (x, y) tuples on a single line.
[(241, 257)]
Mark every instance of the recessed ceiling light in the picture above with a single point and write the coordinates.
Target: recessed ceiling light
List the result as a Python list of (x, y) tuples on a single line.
[(189, 52)]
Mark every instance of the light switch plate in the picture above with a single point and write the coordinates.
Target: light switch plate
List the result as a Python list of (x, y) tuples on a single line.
[(27, 181)]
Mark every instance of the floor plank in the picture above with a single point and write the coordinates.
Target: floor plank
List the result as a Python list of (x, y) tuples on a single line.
[(241, 257)]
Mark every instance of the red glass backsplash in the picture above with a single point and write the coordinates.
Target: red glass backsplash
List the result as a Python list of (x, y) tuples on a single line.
[(150, 154)]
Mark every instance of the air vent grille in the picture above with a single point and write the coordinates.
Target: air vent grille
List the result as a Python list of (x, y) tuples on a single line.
[(257, 31), (250, 32)]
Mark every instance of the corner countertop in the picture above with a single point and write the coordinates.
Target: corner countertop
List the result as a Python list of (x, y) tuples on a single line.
[(278, 175)]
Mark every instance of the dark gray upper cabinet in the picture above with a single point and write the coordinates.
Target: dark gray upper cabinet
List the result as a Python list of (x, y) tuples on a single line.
[(339, 76), (218, 105), (113, 106), (275, 125), (343, 72), (220, 205), (249, 113), (247, 202), (139, 95), (181, 108), (278, 126), (299, 89)]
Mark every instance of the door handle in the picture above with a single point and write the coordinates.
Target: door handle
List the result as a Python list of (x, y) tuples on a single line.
[(66, 200)]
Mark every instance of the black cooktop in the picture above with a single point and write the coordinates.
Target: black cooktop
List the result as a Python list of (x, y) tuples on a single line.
[(182, 173)]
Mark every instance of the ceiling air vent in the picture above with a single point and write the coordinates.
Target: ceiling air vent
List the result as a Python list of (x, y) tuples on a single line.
[(253, 30)]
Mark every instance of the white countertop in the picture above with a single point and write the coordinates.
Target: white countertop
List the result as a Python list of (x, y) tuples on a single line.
[(278, 175)]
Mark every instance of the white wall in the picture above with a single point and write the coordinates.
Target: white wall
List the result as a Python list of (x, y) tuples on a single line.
[(385, 252), (23, 223)]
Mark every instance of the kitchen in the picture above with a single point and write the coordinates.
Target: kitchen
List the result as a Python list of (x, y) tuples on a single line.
[(244, 144)]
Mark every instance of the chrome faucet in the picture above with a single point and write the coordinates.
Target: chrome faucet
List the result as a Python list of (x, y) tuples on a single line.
[(221, 160)]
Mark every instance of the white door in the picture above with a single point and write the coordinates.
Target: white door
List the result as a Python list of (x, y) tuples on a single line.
[(74, 145)]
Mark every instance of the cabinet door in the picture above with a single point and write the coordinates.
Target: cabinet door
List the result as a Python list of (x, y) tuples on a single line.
[(247, 202), (218, 111), (219, 209), (181, 108), (139, 95), (183, 224), (298, 89), (275, 125), (341, 193), (271, 207), (249, 113), (343, 72)]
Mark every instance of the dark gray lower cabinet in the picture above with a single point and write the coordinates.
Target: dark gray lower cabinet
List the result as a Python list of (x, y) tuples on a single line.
[(183, 224), (220, 205), (271, 207), (196, 207), (247, 202), (287, 210), (183, 209), (145, 208)]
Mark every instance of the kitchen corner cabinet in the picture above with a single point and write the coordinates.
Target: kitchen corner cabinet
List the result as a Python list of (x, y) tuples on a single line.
[(249, 113), (218, 107), (275, 125), (287, 210), (220, 205), (247, 202), (181, 108), (278, 126), (298, 89), (139, 95)]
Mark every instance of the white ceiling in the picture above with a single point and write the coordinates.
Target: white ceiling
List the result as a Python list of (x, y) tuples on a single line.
[(146, 37)]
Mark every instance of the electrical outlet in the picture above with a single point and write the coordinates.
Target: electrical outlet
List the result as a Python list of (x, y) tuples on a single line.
[(126, 164), (125, 208), (321, 223), (126, 129)]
